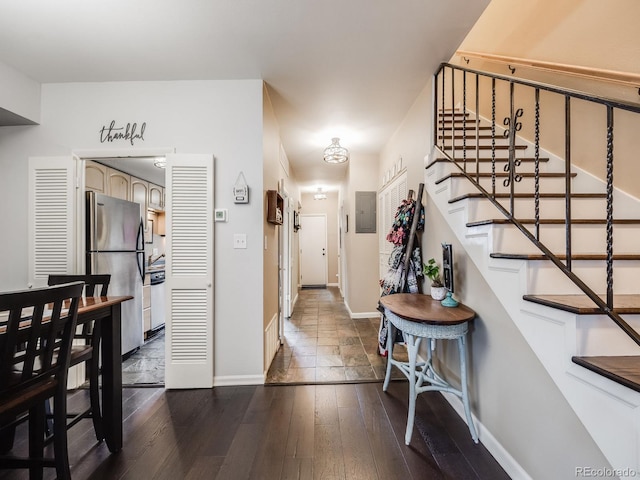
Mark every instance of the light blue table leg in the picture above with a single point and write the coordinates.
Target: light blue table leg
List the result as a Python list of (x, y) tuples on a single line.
[(391, 335), (463, 381), (413, 344)]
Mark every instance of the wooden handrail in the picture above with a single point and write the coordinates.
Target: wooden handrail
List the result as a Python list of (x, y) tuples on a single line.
[(613, 76)]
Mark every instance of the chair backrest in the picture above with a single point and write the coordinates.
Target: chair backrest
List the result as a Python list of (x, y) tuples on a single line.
[(34, 324), (91, 282)]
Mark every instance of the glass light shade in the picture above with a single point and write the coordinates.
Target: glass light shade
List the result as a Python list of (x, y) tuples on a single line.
[(160, 162), (334, 153)]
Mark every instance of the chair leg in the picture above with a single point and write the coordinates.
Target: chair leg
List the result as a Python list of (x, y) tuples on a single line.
[(37, 418), (94, 395), (60, 448), (7, 436)]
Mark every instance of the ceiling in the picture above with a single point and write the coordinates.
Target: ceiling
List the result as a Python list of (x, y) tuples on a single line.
[(345, 68)]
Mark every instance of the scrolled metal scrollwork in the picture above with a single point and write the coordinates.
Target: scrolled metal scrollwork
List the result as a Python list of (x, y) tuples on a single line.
[(513, 125)]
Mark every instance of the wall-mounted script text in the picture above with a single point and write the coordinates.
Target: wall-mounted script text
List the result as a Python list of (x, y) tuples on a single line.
[(131, 133)]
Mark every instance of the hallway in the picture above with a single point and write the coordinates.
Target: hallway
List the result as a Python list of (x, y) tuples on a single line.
[(322, 344)]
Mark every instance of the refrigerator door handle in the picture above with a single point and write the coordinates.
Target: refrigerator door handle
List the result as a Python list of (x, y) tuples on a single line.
[(141, 265), (140, 253), (140, 238)]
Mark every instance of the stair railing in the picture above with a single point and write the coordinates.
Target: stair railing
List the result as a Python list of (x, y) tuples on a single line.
[(452, 79)]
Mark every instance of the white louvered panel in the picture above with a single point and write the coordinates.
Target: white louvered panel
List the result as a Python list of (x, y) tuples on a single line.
[(189, 332), (189, 220), (51, 226), (52, 222), (190, 243)]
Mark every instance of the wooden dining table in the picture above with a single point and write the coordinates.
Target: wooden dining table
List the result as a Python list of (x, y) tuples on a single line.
[(108, 310)]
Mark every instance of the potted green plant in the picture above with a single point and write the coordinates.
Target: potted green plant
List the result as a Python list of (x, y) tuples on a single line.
[(432, 271)]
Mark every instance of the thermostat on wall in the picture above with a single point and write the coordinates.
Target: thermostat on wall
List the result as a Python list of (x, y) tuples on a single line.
[(220, 215)]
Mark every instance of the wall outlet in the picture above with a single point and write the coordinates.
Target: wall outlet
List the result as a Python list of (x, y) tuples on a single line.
[(239, 240)]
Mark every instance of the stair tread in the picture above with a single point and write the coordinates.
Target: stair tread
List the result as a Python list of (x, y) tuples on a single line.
[(485, 147), (556, 221), (471, 136), (470, 124), (527, 195), (624, 370), (562, 256), (582, 305), (486, 160), (500, 175)]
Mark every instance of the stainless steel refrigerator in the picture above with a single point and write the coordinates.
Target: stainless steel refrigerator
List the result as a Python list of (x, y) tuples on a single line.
[(115, 245)]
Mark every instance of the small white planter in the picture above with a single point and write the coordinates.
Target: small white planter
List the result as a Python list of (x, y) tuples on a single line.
[(438, 293)]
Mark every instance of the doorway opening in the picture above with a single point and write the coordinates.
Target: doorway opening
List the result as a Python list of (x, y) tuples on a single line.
[(140, 180)]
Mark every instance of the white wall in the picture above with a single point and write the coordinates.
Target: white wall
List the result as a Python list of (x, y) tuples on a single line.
[(511, 393), (19, 94), (223, 118), (362, 288)]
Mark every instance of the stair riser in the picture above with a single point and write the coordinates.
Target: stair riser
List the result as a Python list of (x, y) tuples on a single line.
[(550, 208), (544, 278), (599, 335), (585, 239)]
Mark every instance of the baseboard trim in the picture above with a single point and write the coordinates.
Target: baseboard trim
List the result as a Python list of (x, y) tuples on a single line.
[(375, 314), (238, 380)]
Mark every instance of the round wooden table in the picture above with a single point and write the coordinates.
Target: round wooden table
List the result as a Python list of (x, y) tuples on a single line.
[(419, 316)]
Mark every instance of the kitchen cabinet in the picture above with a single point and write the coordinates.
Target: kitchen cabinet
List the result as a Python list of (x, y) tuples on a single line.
[(156, 197), (139, 194), (118, 184), (95, 177)]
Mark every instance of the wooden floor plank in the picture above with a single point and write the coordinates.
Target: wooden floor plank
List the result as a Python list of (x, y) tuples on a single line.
[(175, 434), (270, 456), (390, 463), (359, 463), (300, 441), (328, 462)]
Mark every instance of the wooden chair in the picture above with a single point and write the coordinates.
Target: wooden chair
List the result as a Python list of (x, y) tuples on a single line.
[(35, 345), (86, 348)]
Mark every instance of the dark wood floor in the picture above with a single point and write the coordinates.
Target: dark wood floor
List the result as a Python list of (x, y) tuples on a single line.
[(343, 431)]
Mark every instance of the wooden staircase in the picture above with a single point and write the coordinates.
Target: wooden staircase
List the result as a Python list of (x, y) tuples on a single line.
[(488, 167)]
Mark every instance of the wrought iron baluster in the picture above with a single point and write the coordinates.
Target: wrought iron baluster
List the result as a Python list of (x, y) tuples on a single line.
[(436, 119), (453, 109), (493, 137), (567, 177), (610, 206), (536, 186), (442, 108), (464, 121), (477, 128)]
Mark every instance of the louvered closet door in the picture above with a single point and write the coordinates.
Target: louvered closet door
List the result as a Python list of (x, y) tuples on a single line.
[(189, 270), (53, 217)]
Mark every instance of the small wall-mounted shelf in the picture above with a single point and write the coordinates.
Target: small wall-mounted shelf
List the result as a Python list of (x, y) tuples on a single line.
[(275, 207)]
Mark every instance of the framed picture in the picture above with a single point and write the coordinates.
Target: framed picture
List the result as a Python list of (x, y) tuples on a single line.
[(148, 232)]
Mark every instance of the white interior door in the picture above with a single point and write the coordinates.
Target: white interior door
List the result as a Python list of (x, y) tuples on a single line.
[(189, 271), (313, 250)]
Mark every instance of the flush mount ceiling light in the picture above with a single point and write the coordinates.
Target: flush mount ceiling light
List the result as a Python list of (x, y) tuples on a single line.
[(334, 153), (160, 162), (320, 195)]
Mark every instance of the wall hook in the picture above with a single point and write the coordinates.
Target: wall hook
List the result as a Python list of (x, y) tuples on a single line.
[(466, 60), (512, 69)]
